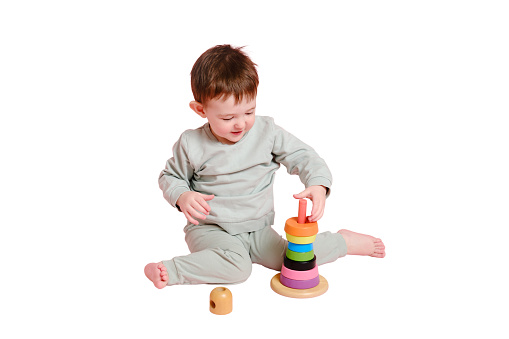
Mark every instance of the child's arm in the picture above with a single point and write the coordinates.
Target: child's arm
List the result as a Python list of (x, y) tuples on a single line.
[(175, 179), (302, 160), (317, 195), (175, 182)]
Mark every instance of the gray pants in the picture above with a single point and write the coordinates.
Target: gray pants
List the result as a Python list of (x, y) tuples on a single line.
[(218, 257)]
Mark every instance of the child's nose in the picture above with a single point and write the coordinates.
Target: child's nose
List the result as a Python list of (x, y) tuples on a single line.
[(240, 123)]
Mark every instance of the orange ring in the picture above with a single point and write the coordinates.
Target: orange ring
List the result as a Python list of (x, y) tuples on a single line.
[(308, 229)]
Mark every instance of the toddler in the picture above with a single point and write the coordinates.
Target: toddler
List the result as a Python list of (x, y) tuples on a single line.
[(221, 177)]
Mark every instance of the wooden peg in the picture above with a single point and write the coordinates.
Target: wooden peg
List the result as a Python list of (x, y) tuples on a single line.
[(302, 211)]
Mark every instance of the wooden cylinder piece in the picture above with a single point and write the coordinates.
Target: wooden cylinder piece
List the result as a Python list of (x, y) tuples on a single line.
[(221, 301)]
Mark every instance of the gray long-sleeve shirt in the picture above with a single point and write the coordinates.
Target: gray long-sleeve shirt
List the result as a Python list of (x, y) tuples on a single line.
[(241, 176)]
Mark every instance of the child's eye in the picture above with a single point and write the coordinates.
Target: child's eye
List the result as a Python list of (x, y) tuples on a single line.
[(226, 119)]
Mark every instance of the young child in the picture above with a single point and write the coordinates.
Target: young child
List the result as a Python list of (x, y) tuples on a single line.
[(221, 177)]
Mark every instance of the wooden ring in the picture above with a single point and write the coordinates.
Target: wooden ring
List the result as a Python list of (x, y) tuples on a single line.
[(299, 284), (293, 227), (299, 275), (300, 247), (300, 265), (281, 289), (300, 256), (300, 240)]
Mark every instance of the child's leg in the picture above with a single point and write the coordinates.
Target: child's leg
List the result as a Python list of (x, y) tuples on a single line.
[(331, 246), (328, 247), (363, 244), (268, 248), (216, 258)]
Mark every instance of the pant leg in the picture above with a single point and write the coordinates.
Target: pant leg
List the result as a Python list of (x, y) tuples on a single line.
[(268, 248), (216, 258), (329, 247)]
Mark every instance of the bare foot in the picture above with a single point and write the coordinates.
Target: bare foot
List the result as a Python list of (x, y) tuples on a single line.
[(157, 273), (363, 244)]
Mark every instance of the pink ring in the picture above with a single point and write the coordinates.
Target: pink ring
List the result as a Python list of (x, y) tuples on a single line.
[(299, 275)]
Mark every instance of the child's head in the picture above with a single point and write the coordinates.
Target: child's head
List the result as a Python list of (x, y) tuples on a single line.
[(224, 71), (224, 83)]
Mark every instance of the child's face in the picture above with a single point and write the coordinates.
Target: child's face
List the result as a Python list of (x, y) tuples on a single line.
[(229, 122)]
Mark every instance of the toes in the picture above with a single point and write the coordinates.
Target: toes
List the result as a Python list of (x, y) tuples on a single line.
[(159, 285), (379, 243), (164, 274), (379, 251)]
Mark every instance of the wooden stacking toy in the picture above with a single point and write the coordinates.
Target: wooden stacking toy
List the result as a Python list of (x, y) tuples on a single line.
[(299, 276)]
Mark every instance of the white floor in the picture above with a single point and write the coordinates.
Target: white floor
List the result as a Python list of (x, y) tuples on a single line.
[(406, 102)]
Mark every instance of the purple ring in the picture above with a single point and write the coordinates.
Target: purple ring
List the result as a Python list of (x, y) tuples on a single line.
[(299, 284)]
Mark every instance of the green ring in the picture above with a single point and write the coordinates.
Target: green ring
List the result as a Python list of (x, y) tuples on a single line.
[(300, 256)]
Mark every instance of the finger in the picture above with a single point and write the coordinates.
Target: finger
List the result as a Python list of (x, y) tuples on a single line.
[(315, 218), (197, 214), (301, 195), (193, 213), (198, 206), (318, 216), (317, 211), (207, 197), (190, 218), (316, 206), (203, 204)]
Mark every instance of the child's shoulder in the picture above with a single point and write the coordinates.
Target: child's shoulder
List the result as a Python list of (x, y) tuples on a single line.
[(194, 134), (265, 121)]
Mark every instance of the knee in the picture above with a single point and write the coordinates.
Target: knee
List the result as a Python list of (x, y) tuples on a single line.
[(239, 266)]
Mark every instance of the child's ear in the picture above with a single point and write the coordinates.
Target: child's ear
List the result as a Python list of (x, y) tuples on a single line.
[(197, 108)]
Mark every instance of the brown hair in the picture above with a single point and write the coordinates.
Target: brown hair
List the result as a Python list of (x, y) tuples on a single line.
[(223, 71)]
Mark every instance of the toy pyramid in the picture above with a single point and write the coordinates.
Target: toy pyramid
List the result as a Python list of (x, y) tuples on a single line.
[(299, 276)]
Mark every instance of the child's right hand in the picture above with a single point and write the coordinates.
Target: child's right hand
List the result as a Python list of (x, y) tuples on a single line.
[(194, 205)]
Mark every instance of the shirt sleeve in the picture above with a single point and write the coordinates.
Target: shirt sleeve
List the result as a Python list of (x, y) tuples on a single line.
[(176, 177), (300, 159)]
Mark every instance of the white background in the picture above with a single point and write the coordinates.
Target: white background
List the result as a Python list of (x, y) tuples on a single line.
[(407, 101)]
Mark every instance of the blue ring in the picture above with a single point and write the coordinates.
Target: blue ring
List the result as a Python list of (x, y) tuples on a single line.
[(300, 247)]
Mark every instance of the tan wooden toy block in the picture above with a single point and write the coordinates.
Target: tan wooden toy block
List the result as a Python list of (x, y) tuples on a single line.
[(221, 301)]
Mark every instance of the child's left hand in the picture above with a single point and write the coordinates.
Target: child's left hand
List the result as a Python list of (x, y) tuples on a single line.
[(317, 195)]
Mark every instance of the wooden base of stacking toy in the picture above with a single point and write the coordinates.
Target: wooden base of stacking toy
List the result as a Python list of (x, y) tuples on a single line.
[(281, 289)]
